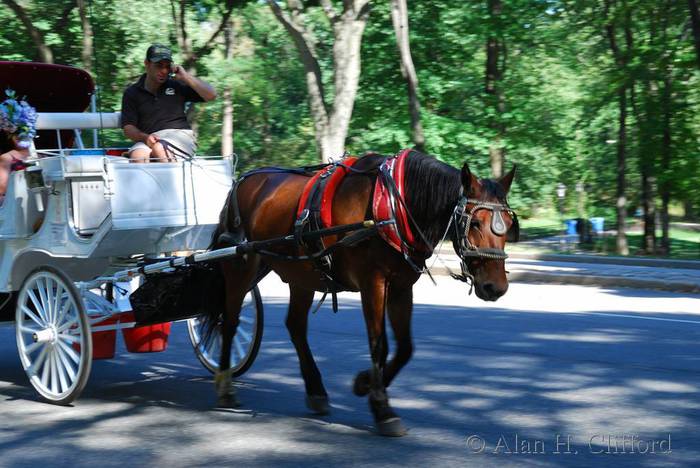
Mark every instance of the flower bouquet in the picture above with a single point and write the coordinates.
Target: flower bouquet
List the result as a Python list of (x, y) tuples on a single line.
[(18, 119)]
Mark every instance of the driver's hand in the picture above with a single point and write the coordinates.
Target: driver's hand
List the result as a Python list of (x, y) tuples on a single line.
[(151, 140)]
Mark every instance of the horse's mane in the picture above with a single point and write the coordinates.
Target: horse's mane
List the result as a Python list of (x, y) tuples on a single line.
[(432, 191)]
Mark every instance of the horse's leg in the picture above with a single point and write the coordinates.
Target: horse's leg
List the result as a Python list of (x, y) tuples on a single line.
[(399, 307), (237, 276), (374, 296), (300, 301)]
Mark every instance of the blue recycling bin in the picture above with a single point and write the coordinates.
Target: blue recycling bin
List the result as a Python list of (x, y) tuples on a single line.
[(598, 225), (571, 226)]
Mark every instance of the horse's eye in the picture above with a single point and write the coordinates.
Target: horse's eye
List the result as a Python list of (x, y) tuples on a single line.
[(476, 223)]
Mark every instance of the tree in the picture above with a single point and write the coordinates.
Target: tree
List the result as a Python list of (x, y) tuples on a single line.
[(44, 51), (621, 59), (399, 18), (331, 122), (496, 58)]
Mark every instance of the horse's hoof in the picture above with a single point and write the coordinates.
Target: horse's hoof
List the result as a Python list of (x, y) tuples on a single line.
[(391, 427), (318, 404), (228, 401), (361, 385)]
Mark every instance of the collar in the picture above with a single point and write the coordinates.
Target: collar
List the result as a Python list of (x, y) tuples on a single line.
[(141, 84)]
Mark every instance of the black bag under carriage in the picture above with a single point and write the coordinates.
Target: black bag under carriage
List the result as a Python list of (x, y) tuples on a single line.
[(181, 294)]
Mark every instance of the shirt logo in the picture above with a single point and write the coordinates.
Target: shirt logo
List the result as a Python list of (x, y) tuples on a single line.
[(170, 91)]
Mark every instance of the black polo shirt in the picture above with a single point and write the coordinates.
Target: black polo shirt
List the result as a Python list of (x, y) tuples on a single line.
[(152, 112)]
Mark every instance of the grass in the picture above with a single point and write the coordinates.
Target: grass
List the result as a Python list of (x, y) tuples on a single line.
[(685, 243)]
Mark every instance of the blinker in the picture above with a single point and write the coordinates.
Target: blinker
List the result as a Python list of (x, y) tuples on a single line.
[(498, 226)]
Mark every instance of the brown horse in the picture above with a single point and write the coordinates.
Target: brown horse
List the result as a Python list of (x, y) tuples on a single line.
[(263, 205)]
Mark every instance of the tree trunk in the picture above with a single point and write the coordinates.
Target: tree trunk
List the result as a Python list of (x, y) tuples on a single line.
[(44, 51), (621, 63), (399, 17), (665, 185), (227, 105), (621, 243), (330, 122), (695, 23), (495, 69), (87, 36), (649, 245)]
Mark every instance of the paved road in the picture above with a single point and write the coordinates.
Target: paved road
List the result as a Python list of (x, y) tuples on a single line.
[(584, 364)]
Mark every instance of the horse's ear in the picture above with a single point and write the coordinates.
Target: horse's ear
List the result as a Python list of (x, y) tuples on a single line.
[(469, 182), (507, 179)]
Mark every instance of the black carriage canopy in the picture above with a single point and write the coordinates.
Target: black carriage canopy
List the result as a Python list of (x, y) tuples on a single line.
[(48, 88)]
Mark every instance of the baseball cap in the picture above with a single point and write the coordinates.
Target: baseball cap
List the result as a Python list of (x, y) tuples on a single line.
[(158, 52)]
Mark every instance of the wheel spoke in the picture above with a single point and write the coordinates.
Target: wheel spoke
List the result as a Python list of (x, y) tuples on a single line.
[(67, 365), (37, 305), (70, 352), (36, 365), (42, 296), (246, 320), (68, 324), (239, 349), (243, 334), (26, 329), (57, 303), (65, 309), (28, 312), (61, 371), (31, 348), (68, 337), (48, 290), (47, 369), (54, 373)]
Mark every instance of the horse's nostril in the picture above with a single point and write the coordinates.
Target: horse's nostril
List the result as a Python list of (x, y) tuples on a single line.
[(489, 288)]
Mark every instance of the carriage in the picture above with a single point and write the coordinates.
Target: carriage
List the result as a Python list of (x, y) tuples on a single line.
[(79, 227), (83, 228)]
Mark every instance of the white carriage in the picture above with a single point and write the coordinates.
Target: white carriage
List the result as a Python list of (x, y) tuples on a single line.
[(74, 226)]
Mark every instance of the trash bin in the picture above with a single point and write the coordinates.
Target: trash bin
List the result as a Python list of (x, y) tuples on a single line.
[(571, 226), (598, 225)]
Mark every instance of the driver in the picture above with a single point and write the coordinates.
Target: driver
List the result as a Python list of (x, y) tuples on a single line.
[(153, 109)]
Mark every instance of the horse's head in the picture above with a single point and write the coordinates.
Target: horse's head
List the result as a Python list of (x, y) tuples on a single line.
[(484, 222)]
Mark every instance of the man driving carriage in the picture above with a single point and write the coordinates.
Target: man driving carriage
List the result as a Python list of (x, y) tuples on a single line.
[(153, 108)]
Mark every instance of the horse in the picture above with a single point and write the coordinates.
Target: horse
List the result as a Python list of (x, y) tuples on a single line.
[(438, 200)]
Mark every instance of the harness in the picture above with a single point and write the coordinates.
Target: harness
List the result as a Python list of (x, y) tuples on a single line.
[(462, 219), (314, 212)]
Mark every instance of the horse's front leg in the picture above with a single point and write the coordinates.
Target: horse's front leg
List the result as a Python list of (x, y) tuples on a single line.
[(400, 308), (374, 296), (300, 301)]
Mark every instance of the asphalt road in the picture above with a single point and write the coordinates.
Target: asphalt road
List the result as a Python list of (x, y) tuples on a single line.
[(574, 373)]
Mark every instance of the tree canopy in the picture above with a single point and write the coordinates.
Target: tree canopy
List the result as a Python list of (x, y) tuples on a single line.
[(559, 84)]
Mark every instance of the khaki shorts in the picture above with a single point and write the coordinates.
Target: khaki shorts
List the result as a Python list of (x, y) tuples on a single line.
[(181, 141)]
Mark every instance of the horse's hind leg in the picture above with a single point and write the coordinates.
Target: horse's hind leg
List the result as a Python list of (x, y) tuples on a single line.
[(373, 303), (238, 274), (300, 301)]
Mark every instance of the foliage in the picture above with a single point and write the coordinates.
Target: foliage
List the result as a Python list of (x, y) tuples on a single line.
[(559, 86)]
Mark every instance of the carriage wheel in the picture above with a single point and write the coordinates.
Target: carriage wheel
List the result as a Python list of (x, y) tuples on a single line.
[(53, 335), (246, 342)]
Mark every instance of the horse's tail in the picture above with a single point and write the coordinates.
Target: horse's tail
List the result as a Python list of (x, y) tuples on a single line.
[(229, 230)]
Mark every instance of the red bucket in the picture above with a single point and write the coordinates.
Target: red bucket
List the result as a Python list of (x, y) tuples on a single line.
[(103, 342), (146, 339)]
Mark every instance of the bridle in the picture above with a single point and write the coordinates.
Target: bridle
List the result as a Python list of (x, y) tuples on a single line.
[(462, 218)]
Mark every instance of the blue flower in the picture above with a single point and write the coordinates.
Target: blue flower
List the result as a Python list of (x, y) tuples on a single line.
[(18, 118)]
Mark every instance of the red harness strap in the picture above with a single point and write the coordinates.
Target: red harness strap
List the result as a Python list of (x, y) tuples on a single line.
[(337, 173), (385, 206)]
